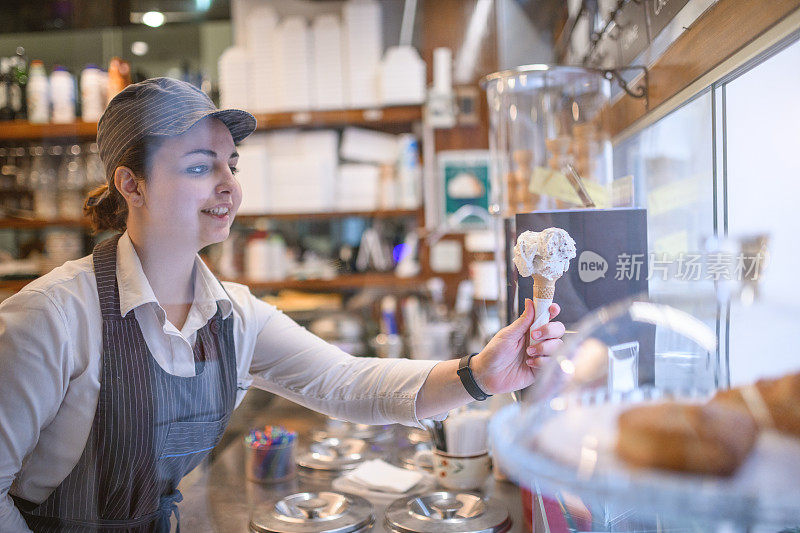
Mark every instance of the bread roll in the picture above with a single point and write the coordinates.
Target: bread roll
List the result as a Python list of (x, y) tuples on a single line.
[(771, 402), (705, 439)]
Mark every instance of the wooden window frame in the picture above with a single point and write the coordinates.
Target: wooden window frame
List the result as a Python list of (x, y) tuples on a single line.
[(730, 34)]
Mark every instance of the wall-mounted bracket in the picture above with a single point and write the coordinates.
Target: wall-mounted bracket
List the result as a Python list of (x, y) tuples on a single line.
[(639, 91)]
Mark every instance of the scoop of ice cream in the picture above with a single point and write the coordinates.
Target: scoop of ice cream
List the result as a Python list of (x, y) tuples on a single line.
[(556, 248), (546, 253), (525, 252)]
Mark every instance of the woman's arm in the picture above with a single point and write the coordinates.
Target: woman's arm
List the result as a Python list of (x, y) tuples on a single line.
[(290, 361), (502, 366), (33, 378)]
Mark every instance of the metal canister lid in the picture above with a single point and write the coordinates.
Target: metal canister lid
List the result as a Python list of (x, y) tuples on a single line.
[(447, 512), (314, 512), (333, 454), (406, 456), (341, 429)]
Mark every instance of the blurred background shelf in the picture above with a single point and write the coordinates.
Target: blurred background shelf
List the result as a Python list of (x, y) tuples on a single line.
[(387, 280), (14, 285), (38, 223), (341, 117), (344, 282), (386, 213), (20, 130)]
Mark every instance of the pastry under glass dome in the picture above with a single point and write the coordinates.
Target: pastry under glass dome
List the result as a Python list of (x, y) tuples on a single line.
[(561, 438)]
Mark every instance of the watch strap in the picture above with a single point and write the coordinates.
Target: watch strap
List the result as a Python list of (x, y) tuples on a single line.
[(468, 380)]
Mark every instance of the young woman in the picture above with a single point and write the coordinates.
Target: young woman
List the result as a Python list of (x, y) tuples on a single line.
[(119, 371)]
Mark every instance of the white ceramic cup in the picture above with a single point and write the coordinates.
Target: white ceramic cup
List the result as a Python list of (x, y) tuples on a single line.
[(460, 472)]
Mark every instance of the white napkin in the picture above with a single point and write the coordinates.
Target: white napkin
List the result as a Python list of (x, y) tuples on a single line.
[(381, 476)]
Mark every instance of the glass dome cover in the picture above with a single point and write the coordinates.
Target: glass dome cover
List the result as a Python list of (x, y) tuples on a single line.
[(562, 437)]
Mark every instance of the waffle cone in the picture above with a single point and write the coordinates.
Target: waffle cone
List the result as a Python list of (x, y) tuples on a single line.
[(543, 287)]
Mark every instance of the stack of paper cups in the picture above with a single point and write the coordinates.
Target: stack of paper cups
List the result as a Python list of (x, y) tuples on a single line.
[(543, 291)]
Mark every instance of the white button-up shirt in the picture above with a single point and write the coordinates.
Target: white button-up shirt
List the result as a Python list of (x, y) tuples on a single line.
[(50, 366)]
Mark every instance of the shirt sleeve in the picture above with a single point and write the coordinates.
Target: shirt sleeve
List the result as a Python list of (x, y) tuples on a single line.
[(290, 361), (34, 372)]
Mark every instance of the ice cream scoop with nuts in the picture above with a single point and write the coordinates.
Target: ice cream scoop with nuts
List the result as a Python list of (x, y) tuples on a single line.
[(545, 255)]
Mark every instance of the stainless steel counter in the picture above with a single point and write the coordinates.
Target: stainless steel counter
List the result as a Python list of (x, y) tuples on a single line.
[(217, 497)]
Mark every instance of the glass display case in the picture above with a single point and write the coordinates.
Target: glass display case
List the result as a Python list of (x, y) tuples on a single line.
[(567, 442)]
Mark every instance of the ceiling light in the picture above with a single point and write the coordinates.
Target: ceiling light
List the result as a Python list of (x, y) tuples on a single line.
[(153, 19), (139, 48)]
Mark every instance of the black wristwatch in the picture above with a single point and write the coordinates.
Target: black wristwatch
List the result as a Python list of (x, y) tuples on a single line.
[(468, 380)]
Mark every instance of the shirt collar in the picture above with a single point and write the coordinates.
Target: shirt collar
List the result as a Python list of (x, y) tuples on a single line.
[(135, 289)]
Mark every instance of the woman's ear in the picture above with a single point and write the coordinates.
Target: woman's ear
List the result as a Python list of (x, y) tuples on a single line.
[(128, 186)]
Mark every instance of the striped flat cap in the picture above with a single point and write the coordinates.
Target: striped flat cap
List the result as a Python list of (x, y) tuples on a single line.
[(160, 106)]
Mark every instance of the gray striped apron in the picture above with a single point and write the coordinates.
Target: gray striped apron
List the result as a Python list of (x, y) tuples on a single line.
[(150, 427)]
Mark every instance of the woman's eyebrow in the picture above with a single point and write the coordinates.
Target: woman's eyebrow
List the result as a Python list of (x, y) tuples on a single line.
[(210, 153)]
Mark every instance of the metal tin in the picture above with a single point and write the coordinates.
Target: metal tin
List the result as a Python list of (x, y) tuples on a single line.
[(336, 455), (342, 429), (406, 457), (446, 512), (314, 512)]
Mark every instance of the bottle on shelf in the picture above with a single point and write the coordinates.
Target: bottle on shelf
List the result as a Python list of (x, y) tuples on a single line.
[(43, 184), (6, 110), (409, 173), (19, 72), (119, 76), (23, 171), (71, 184), (38, 92), (95, 171), (93, 93), (6, 183), (62, 95)]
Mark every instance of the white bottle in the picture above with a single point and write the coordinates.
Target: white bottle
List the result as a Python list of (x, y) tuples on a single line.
[(38, 93), (93, 93), (62, 94), (409, 173)]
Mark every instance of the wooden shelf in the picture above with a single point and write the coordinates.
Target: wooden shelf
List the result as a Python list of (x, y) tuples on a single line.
[(24, 223), (20, 130), (387, 213), (340, 117), (343, 282), (14, 285)]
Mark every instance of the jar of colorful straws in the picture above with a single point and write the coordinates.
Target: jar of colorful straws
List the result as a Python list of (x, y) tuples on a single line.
[(269, 454)]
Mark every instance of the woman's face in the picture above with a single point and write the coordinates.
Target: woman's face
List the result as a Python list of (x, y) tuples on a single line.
[(191, 194)]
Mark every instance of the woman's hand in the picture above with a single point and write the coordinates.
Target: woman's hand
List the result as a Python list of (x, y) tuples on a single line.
[(507, 363)]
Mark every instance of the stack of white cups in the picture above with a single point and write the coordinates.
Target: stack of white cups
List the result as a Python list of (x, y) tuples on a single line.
[(265, 74), (234, 72), (363, 33), (327, 80), (293, 62)]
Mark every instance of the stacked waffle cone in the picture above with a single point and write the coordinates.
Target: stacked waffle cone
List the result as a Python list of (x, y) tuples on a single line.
[(543, 291)]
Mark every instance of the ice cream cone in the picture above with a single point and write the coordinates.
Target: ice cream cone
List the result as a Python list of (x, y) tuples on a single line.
[(543, 291)]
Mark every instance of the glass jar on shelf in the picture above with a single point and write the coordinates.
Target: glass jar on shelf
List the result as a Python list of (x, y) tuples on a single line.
[(549, 142), (71, 184), (43, 184)]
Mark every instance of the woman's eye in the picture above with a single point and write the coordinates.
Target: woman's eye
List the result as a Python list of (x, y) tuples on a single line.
[(197, 169), (234, 170)]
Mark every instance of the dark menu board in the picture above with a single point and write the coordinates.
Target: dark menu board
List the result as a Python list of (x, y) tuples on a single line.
[(611, 264), (661, 12), (633, 38)]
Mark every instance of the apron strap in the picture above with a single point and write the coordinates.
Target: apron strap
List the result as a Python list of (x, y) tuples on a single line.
[(104, 257), (167, 507)]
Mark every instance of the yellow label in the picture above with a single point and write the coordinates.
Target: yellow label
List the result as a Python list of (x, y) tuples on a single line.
[(556, 185)]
